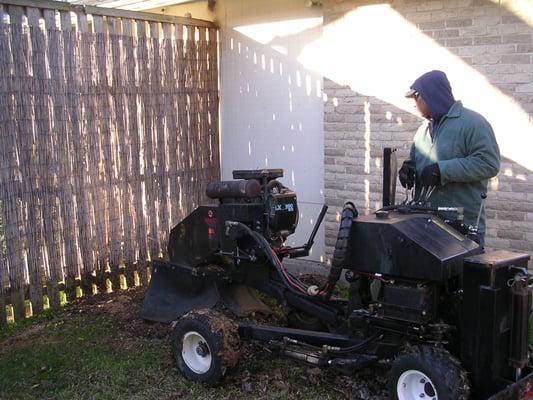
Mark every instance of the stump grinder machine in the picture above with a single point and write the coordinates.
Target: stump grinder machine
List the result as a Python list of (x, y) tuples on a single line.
[(452, 321)]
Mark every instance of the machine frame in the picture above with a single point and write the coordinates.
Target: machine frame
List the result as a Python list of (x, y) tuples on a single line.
[(483, 341)]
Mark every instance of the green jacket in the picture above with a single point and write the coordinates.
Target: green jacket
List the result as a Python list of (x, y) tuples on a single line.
[(465, 148)]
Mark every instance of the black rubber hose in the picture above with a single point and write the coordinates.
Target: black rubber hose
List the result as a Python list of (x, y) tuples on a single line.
[(345, 350), (359, 346), (270, 185), (349, 212), (271, 255)]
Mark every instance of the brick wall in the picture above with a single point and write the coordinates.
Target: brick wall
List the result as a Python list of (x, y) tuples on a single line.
[(496, 41)]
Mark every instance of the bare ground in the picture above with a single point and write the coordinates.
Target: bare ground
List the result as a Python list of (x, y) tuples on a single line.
[(258, 374)]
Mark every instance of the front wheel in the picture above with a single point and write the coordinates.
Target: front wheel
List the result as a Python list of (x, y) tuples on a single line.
[(428, 373), (204, 344)]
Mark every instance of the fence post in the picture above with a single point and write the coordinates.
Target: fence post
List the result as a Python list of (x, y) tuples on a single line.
[(33, 161)]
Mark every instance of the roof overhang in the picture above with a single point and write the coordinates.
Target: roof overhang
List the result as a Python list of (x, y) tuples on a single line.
[(133, 5)]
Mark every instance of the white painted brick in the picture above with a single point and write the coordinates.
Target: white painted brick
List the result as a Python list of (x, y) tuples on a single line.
[(522, 245), (336, 169), (476, 30), (331, 143), (498, 243), (518, 38), (505, 29), (512, 196), (516, 58), (333, 117), (486, 11), (344, 92), (457, 3), (501, 69), (487, 20), (424, 16), (485, 59), (517, 78), (333, 137), (527, 88), (502, 48), (470, 50), (329, 176)]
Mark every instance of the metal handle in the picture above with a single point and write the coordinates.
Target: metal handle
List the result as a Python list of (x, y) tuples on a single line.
[(482, 205), (321, 216)]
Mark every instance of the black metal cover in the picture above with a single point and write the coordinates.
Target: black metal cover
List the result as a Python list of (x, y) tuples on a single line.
[(174, 290), (282, 212), (257, 173), (417, 246), (488, 319), (412, 303), (194, 240)]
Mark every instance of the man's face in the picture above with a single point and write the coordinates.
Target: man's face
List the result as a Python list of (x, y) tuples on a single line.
[(422, 106)]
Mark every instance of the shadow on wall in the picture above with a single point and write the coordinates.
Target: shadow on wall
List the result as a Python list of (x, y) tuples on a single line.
[(485, 49), (488, 60), (280, 98), (272, 113), (382, 63)]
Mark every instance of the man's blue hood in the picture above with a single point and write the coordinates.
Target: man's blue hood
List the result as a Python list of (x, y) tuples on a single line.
[(436, 91)]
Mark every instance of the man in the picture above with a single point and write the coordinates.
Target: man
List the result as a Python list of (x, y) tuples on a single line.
[(454, 151)]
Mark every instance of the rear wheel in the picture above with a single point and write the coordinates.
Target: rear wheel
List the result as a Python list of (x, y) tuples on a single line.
[(204, 345), (429, 373)]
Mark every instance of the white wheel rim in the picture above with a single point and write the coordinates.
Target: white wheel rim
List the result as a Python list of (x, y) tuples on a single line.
[(414, 384), (196, 352)]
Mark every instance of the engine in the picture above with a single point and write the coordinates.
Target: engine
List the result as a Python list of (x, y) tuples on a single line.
[(254, 198)]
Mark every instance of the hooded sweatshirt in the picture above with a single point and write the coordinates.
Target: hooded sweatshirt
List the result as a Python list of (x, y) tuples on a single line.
[(436, 91), (463, 144)]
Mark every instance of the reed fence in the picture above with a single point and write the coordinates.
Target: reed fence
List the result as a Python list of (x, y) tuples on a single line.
[(108, 136)]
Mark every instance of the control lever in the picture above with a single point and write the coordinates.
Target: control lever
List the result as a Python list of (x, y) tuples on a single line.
[(422, 194), (303, 251), (481, 207), (425, 193), (430, 192), (407, 192)]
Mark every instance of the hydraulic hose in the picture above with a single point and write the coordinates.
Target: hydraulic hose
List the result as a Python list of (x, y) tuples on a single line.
[(293, 284), (359, 346), (349, 212)]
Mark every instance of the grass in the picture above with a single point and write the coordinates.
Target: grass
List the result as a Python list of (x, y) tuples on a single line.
[(78, 357), (93, 354)]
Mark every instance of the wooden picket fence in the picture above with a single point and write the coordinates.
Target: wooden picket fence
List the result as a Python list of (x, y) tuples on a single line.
[(108, 136)]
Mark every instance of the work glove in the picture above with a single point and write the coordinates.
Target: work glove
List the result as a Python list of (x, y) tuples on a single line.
[(407, 174), (430, 176)]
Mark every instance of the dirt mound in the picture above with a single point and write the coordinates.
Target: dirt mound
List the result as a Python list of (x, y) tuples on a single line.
[(123, 308)]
